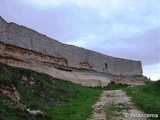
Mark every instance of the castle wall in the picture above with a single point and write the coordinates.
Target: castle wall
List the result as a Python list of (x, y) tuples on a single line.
[(20, 36)]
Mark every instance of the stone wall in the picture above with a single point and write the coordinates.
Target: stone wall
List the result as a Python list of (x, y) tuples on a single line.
[(22, 37), (18, 52)]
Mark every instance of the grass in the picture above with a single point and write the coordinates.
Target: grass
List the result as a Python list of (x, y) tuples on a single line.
[(57, 99), (113, 111), (112, 86), (110, 112), (63, 100), (146, 97)]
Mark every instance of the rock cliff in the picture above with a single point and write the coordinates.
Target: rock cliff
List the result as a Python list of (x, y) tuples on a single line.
[(26, 48)]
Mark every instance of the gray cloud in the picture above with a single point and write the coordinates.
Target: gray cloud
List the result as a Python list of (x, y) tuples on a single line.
[(144, 47), (128, 29)]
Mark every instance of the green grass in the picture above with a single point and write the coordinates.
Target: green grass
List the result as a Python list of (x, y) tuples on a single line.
[(63, 100), (113, 111), (110, 112), (57, 99), (146, 97), (112, 86)]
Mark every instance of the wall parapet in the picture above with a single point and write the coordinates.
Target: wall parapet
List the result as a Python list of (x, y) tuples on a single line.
[(23, 37)]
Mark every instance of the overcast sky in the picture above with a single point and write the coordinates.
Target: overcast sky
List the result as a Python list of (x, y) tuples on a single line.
[(121, 28)]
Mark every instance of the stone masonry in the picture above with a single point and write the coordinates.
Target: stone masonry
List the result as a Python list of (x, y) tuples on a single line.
[(13, 34), (19, 43)]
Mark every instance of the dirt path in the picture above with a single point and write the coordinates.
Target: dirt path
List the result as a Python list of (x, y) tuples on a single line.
[(115, 105)]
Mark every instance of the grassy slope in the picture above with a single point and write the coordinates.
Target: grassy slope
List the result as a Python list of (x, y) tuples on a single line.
[(62, 100), (146, 97), (57, 99)]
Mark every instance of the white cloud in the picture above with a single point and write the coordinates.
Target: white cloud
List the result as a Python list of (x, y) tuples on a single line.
[(100, 5), (53, 3), (87, 41), (100, 43), (45, 3), (152, 71), (131, 11), (119, 19)]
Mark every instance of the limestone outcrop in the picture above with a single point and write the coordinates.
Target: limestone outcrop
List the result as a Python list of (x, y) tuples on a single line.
[(26, 48)]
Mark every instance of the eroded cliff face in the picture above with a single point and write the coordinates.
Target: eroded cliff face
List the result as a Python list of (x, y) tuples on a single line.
[(58, 68), (22, 53), (55, 67), (130, 80), (25, 48), (23, 37)]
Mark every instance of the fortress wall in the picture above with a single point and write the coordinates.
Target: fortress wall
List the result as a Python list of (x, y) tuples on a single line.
[(11, 33)]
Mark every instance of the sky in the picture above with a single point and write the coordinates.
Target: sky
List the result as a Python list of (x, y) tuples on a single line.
[(127, 29)]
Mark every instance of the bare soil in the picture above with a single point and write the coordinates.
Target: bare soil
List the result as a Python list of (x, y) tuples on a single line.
[(115, 105)]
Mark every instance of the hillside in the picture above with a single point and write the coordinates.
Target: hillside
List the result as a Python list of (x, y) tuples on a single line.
[(22, 89), (146, 98)]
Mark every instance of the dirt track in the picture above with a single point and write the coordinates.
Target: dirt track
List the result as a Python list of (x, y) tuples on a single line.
[(115, 105)]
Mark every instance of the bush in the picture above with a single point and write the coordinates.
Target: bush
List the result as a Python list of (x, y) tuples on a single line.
[(5, 80), (157, 83)]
